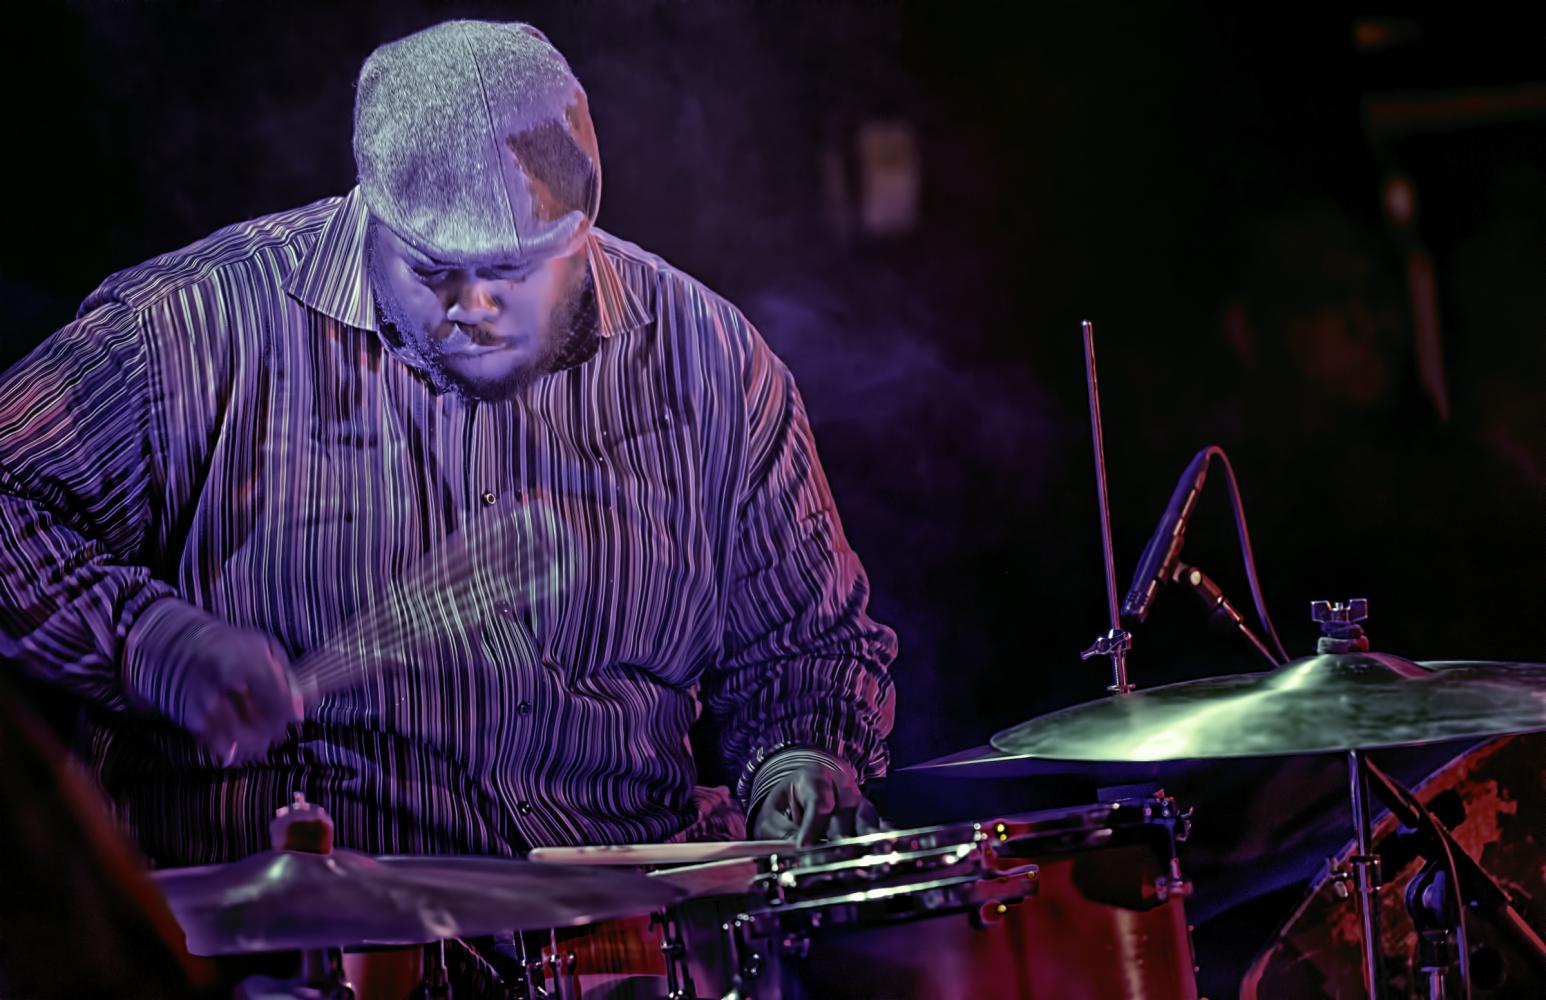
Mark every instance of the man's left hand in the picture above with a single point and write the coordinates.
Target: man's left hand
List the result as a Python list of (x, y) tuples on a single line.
[(815, 803)]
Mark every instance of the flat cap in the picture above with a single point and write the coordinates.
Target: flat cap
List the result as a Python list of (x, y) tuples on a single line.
[(473, 141)]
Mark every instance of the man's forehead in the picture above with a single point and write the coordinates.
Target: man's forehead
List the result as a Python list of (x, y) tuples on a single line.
[(511, 256)]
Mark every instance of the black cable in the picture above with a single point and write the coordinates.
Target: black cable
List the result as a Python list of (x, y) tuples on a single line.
[(1422, 815), (1247, 555)]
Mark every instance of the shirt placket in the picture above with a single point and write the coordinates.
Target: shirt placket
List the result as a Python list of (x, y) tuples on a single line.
[(496, 498)]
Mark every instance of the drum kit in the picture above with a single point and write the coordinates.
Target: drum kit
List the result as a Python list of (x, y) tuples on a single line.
[(1086, 901)]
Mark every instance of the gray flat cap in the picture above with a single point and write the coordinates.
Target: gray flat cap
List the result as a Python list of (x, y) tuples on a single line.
[(473, 142)]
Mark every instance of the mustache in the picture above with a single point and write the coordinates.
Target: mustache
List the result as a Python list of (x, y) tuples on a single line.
[(462, 338)]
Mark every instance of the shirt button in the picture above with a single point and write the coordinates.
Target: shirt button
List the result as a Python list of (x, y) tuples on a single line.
[(489, 496), (524, 708), (523, 807), (505, 609)]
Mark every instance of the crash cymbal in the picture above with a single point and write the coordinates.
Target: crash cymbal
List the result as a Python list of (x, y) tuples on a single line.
[(1318, 704), (280, 900)]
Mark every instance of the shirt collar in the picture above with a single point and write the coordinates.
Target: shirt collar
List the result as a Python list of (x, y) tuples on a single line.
[(333, 278)]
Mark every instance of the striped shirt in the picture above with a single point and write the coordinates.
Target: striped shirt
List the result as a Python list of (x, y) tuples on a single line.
[(512, 611)]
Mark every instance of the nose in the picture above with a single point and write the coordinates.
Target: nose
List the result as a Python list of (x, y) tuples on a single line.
[(472, 304)]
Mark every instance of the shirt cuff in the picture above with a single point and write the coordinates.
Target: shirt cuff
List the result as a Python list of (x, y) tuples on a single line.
[(155, 654), (764, 772)]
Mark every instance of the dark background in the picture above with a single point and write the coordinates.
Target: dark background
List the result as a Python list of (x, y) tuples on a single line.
[(1202, 183)]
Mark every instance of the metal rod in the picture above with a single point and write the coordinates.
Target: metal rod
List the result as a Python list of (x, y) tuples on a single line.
[(1117, 640), (1366, 875)]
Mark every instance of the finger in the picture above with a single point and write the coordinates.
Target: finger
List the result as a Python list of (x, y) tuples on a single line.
[(288, 687), (773, 824), (815, 801), (239, 702), (200, 709), (842, 824), (217, 735), (271, 714), (867, 819), (271, 696)]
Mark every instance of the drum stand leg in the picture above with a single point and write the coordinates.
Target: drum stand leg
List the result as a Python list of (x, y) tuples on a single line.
[(1366, 875), (679, 984), (437, 979), (322, 969)]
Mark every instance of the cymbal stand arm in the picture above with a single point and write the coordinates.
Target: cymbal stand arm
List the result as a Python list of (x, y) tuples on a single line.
[(1366, 874), (1116, 642)]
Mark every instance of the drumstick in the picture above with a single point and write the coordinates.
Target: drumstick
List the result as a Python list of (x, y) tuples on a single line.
[(660, 854), (716, 878), (381, 635)]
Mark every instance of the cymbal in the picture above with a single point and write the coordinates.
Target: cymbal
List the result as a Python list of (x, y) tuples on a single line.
[(1332, 702), (986, 762), (280, 900)]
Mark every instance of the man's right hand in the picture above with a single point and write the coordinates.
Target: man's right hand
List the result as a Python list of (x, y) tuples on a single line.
[(241, 699), (229, 686)]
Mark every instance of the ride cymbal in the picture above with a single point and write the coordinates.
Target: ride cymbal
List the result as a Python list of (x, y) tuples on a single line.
[(1331, 702)]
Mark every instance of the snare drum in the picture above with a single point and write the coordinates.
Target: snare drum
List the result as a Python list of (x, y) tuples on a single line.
[(1066, 904)]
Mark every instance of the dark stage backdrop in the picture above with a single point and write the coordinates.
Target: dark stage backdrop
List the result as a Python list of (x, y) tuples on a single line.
[(916, 203)]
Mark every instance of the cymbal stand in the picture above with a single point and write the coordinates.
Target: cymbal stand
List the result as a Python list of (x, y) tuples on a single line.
[(1366, 873), (1430, 902), (1116, 642)]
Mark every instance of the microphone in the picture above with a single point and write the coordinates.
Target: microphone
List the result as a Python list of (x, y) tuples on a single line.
[(1159, 556)]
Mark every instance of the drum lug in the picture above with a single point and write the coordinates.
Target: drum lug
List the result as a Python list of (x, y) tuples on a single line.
[(993, 911)]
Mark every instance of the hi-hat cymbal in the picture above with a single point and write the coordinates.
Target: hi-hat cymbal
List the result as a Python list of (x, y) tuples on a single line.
[(1332, 702), (279, 900)]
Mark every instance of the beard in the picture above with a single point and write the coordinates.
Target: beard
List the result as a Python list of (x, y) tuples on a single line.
[(568, 337)]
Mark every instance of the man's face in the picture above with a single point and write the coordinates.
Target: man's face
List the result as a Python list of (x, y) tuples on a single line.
[(490, 327)]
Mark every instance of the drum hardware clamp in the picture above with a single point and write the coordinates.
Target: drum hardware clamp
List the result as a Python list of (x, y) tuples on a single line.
[(1341, 875), (1173, 885)]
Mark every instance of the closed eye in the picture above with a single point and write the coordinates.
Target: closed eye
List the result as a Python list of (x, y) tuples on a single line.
[(504, 273)]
